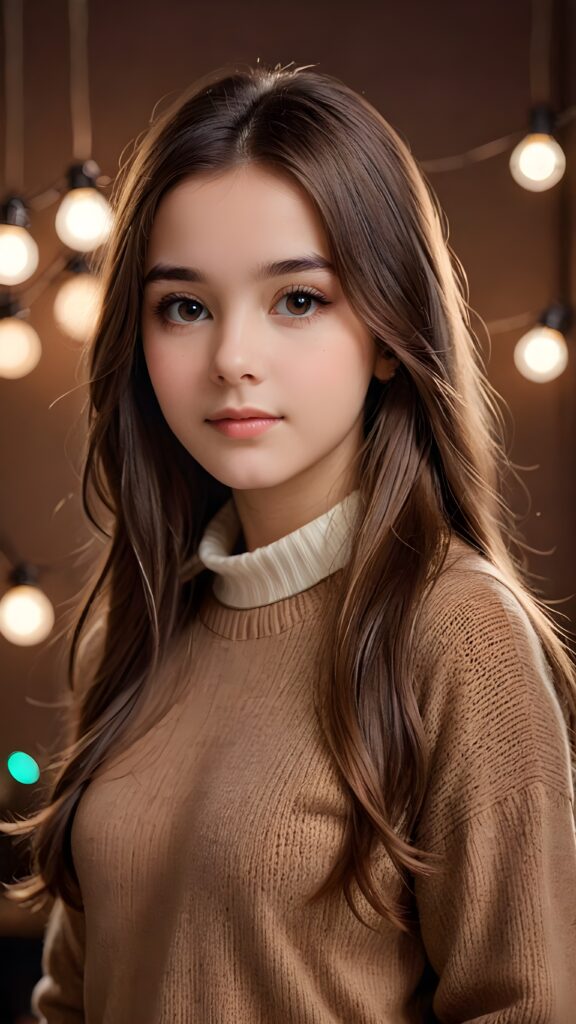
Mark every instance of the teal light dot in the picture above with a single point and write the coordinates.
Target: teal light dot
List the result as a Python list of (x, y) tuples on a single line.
[(23, 768)]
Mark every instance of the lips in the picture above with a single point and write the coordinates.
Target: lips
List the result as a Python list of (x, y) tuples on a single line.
[(230, 412), (245, 428)]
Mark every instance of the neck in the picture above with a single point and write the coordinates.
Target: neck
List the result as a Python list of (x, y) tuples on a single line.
[(288, 565)]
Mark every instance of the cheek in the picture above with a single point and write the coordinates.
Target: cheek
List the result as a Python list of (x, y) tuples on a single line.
[(171, 371), (337, 373)]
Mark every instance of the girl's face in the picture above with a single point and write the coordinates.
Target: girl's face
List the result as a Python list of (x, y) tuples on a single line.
[(218, 330)]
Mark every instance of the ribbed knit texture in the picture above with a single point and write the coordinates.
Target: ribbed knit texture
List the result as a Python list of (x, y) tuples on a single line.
[(289, 565), (196, 850)]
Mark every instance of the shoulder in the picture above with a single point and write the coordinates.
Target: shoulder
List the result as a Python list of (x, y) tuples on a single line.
[(472, 610), (485, 689)]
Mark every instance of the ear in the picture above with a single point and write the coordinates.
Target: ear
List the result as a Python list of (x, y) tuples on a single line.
[(385, 365)]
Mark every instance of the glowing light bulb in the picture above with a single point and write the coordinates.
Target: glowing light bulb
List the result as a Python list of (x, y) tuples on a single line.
[(541, 354), (20, 348), (26, 615), (84, 219), (538, 162), (77, 305), (18, 254), (23, 767)]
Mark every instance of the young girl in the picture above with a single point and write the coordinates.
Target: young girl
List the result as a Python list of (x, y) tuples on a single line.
[(321, 760)]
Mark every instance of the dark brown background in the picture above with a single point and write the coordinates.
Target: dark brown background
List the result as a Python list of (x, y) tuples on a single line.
[(448, 76)]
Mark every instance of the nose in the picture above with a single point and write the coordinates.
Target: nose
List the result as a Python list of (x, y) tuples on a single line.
[(237, 349)]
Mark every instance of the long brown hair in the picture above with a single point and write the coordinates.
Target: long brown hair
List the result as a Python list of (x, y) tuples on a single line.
[(432, 463)]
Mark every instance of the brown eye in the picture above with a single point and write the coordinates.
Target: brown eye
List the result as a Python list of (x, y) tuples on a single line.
[(186, 308), (298, 302)]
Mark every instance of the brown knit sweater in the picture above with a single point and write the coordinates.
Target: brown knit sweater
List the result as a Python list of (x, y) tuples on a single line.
[(196, 850)]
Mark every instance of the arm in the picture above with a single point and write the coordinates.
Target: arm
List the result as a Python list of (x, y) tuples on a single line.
[(58, 998), (499, 922)]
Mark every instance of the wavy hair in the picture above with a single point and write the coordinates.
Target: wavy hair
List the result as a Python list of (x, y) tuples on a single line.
[(432, 464)]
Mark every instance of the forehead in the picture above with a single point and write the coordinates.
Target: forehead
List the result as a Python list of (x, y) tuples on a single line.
[(241, 217)]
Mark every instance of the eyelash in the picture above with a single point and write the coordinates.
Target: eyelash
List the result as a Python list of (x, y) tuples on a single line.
[(292, 290)]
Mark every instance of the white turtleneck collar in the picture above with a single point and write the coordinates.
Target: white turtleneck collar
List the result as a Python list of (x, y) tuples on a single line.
[(287, 566)]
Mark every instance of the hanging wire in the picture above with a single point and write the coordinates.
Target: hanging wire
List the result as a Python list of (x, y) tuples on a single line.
[(565, 405), (540, 92), (79, 91), (540, 88), (14, 97), (512, 323), (540, 52), (488, 149), (9, 551), (565, 210), (560, 62), (472, 156), (79, 105), (48, 195), (564, 228)]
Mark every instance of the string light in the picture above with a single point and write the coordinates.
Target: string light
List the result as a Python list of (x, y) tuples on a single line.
[(20, 347), (538, 162), (84, 216), (542, 353), (26, 614), (18, 250), (77, 301)]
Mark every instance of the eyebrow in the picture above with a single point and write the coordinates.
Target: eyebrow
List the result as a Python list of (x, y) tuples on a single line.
[(165, 272)]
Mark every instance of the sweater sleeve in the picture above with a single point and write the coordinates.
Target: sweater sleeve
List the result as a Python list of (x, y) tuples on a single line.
[(58, 997), (498, 922)]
